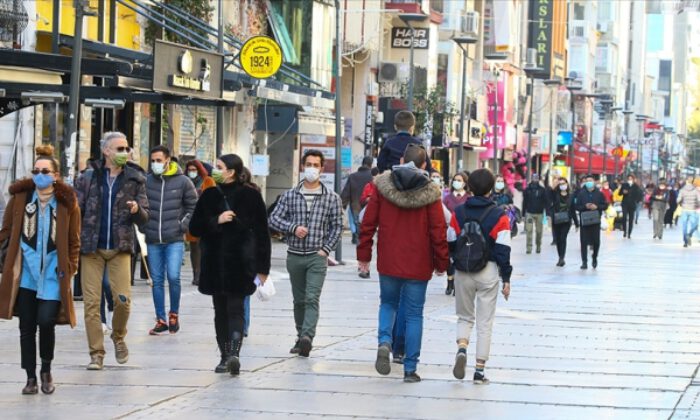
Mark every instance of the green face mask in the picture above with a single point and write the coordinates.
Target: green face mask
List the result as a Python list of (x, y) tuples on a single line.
[(218, 176), (120, 159)]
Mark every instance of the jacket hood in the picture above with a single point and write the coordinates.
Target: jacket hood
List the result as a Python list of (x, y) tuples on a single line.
[(479, 201), (64, 194), (173, 169), (407, 188)]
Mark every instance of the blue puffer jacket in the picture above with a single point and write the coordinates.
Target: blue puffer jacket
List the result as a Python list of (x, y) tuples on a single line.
[(172, 199)]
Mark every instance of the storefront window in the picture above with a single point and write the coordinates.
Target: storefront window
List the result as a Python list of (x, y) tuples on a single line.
[(291, 26)]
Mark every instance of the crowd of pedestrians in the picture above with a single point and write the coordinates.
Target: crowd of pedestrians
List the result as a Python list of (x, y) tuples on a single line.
[(422, 227)]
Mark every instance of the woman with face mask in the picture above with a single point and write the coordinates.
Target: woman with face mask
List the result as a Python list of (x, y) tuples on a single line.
[(199, 176), (456, 197), (231, 222), (563, 214), (458, 194), (501, 194), (42, 225)]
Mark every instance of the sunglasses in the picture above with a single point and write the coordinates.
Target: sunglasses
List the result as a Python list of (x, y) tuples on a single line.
[(44, 171), (123, 149)]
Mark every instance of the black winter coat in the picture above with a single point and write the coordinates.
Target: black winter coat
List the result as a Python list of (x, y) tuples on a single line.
[(535, 199), (226, 248), (171, 199)]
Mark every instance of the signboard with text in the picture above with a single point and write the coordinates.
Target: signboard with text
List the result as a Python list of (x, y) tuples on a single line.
[(187, 71), (401, 38), (261, 57), (541, 13)]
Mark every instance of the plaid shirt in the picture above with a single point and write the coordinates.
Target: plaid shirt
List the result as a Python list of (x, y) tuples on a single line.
[(324, 221)]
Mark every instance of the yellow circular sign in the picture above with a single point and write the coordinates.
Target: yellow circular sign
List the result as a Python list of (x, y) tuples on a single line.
[(261, 57)]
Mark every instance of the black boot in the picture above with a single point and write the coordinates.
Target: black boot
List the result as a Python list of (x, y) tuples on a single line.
[(233, 363), (223, 349), (450, 290)]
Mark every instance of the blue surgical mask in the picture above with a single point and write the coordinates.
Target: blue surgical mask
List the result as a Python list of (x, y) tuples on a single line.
[(43, 181), (590, 185), (500, 186)]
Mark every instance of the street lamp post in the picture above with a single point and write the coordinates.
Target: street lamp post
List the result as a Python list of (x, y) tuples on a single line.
[(528, 165), (71, 126), (572, 87), (461, 41), (407, 18), (338, 122)]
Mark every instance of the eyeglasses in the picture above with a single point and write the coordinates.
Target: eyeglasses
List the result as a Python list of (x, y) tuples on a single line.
[(44, 171), (123, 149)]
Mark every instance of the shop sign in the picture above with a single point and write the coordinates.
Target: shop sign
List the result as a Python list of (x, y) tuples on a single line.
[(183, 70), (401, 38), (261, 57), (541, 12)]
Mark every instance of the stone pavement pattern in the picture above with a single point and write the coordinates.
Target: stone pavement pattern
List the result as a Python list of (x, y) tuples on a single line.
[(619, 342)]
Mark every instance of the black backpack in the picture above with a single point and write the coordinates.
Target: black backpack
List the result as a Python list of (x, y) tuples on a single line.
[(472, 252)]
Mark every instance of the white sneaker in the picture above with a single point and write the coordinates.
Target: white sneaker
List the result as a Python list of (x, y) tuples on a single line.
[(105, 329)]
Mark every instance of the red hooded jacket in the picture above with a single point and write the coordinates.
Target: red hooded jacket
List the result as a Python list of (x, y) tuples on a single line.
[(407, 211)]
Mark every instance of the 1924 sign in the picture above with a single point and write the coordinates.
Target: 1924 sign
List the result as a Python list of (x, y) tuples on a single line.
[(401, 38)]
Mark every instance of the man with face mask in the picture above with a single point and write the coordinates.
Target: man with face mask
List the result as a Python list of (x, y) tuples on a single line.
[(587, 200), (311, 215), (631, 195), (112, 198), (535, 202), (171, 199)]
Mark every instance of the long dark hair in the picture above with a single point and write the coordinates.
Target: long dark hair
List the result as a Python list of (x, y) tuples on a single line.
[(233, 161)]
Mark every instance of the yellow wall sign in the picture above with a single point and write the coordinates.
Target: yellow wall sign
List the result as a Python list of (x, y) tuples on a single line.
[(261, 57)]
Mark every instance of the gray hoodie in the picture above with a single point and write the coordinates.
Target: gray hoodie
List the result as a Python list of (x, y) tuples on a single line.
[(689, 197)]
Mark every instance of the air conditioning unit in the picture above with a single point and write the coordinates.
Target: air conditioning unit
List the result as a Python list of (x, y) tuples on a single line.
[(393, 72), (531, 58), (469, 24)]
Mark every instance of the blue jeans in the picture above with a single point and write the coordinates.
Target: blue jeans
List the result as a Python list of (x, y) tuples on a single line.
[(164, 258), (689, 224), (412, 294)]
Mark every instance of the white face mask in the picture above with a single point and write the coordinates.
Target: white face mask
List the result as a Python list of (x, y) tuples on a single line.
[(436, 181), (158, 168), (458, 185), (311, 174), (192, 174)]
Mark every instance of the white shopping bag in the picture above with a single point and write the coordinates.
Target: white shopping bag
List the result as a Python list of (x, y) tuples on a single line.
[(265, 291)]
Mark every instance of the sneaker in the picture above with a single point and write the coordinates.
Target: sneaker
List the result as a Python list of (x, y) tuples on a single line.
[(160, 328), (173, 323), (295, 349), (460, 365), (398, 358), (105, 329), (539, 250), (584, 266), (595, 264), (411, 377), (382, 364), (363, 274), (96, 362), (480, 379), (304, 346), (121, 352)]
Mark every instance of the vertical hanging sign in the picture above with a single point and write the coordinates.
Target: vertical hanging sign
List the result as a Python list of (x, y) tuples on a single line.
[(540, 31)]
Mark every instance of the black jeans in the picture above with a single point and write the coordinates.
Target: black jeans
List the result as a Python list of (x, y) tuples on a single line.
[(195, 260), (628, 216), (561, 232), (229, 316), (35, 312), (590, 235)]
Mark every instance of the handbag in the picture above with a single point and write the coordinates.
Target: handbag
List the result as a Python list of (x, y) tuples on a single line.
[(590, 218), (561, 217)]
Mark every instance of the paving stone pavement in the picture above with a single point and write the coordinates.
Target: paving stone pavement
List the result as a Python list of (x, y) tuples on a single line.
[(621, 341)]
